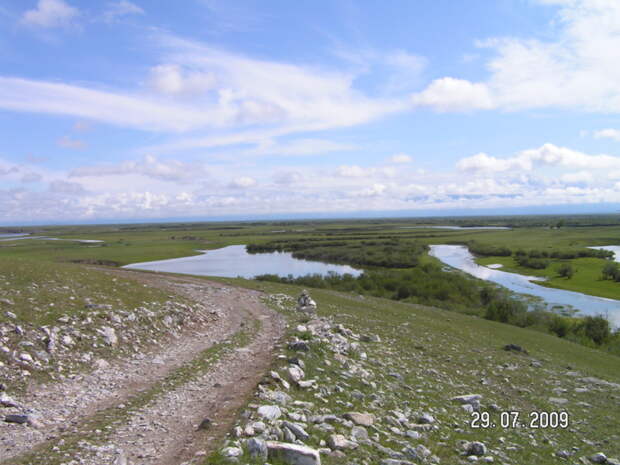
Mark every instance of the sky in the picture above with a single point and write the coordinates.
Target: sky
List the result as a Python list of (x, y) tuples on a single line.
[(150, 110)]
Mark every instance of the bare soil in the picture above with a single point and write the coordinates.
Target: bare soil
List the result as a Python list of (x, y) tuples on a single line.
[(165, 431)]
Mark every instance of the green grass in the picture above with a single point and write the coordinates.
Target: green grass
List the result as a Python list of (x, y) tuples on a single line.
[(443, 354), (587, 278), (42, 292)]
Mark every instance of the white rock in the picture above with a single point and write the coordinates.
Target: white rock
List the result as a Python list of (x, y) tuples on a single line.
[(269, 412), (232, 452), (101, 364), (467, 399), (295, 373), (339, 442), (26, 357), (293, 454), (363, 419), (109, 335)]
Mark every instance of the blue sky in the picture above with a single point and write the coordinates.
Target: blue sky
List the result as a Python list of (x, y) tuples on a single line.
[(149, 110)]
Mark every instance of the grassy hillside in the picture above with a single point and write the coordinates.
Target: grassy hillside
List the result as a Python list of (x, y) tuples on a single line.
[(427, 356)]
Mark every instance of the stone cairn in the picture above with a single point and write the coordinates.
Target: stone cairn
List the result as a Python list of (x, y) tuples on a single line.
[(305, 304)]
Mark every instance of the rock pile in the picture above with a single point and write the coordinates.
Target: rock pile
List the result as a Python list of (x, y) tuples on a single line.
[(305, 304), (297, 418)]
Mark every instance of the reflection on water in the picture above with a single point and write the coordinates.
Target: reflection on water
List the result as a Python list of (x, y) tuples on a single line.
[(458, 256), (233, 261)]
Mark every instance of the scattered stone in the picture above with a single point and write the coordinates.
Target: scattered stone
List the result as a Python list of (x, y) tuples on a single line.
[(109, 335), (257, 448), (514, 348), (297, 430), (426, 418), (293, 454), (599, 457), (299, 346), (26, 357), (205, 424), (295, 373), (467, 399), (232, 452), (269, 412), (101, 364), (563, 454), (339, 442), (19, 419), (558, 400), (476, 448), (359, 433), (362, 419), (7, 401)]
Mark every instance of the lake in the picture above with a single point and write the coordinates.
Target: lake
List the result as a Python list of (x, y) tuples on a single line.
[(458, 256), (233, 261)]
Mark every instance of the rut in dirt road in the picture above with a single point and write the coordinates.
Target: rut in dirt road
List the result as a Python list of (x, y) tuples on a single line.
[(150, 411)]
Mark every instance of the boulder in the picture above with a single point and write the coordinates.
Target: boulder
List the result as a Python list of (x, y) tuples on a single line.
[(269, 412), (514, 348), (362, 419), (476, 448), (109, 335), (257, 448), (295, 373), (339, 442), (467, 399), (293, 454), (297, 430)]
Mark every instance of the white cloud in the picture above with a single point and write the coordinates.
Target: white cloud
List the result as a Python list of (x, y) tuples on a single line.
[(450, 94), (579, 177), (352, 171), (227, 91), (373, 191), (401, 158), (546, 155), (116, 10), (242, 182), (172, 79), (50, 13), (547, 175), (288, 177), (298, 147), (66, 187), (607, 134), (149, 166), (578, 69)]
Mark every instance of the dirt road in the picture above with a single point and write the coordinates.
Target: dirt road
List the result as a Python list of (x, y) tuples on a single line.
[(147, 410)]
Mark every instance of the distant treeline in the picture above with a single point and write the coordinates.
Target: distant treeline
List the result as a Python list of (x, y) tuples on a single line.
[(536, 259), (391, 253)]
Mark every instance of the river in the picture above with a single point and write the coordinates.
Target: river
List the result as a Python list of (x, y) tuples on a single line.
[(458, 256)]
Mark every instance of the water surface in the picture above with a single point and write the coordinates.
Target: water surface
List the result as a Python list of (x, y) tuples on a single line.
[(458, 256), (233, 261), (612, 248)]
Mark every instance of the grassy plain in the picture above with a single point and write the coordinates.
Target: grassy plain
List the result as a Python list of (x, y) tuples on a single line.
[(124, 244)]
